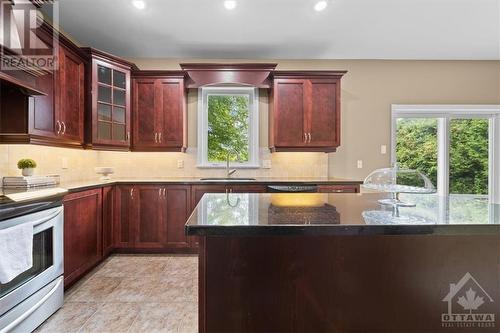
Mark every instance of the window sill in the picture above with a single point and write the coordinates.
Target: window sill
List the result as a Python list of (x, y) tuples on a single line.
[(231, 166)]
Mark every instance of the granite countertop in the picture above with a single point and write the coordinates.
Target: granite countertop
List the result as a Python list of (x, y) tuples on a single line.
[(17, 201), (87, 184), (340, 214)]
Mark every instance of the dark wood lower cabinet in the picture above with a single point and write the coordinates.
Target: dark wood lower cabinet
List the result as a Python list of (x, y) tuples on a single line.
[(82, 233), (152, 218), (137, 218), (108, 198), (177, 212), (149, 216), (123, 219)]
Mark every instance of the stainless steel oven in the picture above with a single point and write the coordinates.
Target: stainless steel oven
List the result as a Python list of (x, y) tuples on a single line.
[(31, 297)]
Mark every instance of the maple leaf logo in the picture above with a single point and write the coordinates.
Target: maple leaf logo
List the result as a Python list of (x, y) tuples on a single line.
[(470, 301)]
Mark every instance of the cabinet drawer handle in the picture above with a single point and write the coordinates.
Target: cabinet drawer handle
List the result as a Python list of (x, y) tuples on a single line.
[(128, 136), (165, 192), (309, 135), (64, 127), (132, 193), (159, 192), (159, 137), (58, 127), (156, 137)]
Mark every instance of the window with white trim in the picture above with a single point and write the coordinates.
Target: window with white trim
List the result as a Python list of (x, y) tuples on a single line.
[(228, 127), (457, 146)]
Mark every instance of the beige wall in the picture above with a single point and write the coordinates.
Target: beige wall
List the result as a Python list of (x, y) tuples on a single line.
[(368, 90)]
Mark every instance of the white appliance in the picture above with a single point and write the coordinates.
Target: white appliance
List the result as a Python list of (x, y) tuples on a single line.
[(30, 298)]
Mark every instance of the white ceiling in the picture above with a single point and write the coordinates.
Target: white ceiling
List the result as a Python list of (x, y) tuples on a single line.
[(288, 29)]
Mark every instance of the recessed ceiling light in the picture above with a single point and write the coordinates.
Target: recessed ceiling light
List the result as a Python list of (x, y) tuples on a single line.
[(320, 5), (139, 4), (230, 4)]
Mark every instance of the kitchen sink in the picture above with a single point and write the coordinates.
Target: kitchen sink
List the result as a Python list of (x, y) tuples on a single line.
[(225, 179)]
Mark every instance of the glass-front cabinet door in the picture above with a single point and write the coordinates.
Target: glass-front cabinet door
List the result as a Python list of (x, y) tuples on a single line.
[(111, 105)]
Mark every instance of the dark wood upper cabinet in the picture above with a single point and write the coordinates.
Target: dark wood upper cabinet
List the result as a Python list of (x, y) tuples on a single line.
[(55, 117), (305, 111), (159, 111), (70, 96), (108, 101)]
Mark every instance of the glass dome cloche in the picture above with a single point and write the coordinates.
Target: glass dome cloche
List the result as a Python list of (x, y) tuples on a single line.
[(397, 180)]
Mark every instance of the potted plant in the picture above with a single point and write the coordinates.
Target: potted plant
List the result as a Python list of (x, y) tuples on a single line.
[(27, 166)]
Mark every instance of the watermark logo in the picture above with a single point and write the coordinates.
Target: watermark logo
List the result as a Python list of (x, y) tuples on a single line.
[(467, 305), (23, 47)]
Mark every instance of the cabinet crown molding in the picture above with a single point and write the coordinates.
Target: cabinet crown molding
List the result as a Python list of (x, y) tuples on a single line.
[(95, 53), (249, 74), (309, 74)]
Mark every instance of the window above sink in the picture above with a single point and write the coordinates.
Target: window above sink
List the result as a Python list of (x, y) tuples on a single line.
[(228, 127)]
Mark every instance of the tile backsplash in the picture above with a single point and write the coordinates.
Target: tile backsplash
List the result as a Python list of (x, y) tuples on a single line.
[(81, 163)]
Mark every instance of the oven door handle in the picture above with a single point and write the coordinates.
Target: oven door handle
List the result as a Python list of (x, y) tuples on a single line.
[(33, 309), (46, 218)]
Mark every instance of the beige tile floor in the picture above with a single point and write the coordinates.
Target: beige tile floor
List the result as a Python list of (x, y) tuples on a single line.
[(132, 294)]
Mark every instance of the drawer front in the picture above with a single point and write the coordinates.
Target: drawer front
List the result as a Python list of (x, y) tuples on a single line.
[(338, 189)]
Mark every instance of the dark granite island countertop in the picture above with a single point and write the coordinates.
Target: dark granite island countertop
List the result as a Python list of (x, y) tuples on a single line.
[(340, 214), (322, 263)]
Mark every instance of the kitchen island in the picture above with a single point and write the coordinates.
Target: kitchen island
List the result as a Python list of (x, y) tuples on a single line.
[(330, 263)]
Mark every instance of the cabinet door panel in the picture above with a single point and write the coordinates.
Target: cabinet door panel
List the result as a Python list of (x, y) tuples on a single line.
[(125, 216), (42, 121), (82, 233), (177, 213), (150, 229), (71, 101), (289, 108), (145, 113), (107, 219), (324, 118), (172, 113)]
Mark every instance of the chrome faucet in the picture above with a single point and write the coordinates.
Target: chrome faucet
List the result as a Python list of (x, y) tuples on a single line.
[(229, 172)]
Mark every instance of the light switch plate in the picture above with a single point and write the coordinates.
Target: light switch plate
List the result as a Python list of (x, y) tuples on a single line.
[(360, 164), (64, 163), (266, 164), (180, 164), (383, 149)]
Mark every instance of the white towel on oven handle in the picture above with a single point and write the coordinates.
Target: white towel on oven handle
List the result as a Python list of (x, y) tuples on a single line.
[(16, 251)]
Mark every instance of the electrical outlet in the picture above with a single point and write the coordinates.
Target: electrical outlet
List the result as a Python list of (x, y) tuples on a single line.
[(360, 164), (64, 163), (383, 149), (266, 164), (180, 164)]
